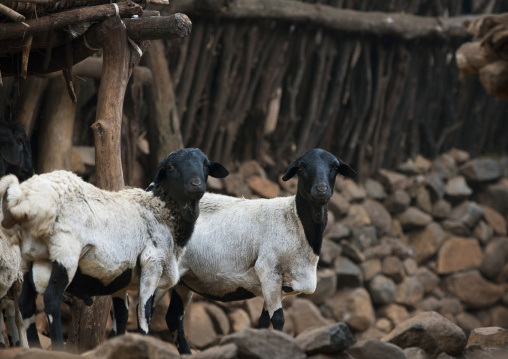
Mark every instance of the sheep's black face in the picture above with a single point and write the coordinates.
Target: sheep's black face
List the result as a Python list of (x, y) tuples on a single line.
[(317, 170), (15, 150), (183, 175)]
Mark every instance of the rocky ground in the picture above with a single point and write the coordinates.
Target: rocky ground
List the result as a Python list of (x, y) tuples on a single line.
[(414, 265)]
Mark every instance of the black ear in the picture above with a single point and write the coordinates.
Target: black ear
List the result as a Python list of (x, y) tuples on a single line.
[(162, 173), (291, 171), (345, 170), (217, 170)]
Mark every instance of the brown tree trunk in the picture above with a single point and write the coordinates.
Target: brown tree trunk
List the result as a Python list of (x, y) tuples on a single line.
[(89, 323), (164, 124), (55, 138)]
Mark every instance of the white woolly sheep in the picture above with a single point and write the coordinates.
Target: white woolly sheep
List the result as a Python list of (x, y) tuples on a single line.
[(90, 242), (244, 248), (15, 158)]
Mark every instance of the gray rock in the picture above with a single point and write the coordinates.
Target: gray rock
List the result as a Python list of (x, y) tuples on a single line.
[(374, 348), (429, 331), (413, 218), (459, 156), (445, 166), (436, 186), (326, 286), (263, 344), (348, 273), (441, 208), (382, 289), (352, 191), (228, 351), (427, 278), (134, 346), (364, 237), (338, 205), (473, 289), (409, 292), (379, 216), (467, 213), (352, 252), (481, 170), (495, 256), (337, 232), (391, 180), (426, 242), (332, 339), (416, 353), (375, 189), (495, 196), (424, 201), (329, 251), (456, 188), (392, 267), (354, 307), (370, 268), (397, 202), (483, 232)]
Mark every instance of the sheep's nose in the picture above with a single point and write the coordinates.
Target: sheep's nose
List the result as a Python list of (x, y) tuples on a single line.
[(196, 182), (322, 187)]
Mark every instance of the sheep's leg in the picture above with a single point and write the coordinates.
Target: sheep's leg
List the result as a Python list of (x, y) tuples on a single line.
[(2, 339), (180, 299), (150, 275), (20, 327), (58, 281), (10, 323), (271, 286), (27, 309), (119, 313)]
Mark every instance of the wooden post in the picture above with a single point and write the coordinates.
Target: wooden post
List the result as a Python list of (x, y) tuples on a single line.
[(55, 138), (164, 125), (89, 323)]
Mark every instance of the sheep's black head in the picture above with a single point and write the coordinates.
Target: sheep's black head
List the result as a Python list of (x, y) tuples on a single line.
[(316, 170), (15, 151), (182, 175)]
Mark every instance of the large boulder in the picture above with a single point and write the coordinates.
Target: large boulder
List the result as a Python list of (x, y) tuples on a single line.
[(332, 339), (135, 346), (429, 331), (264, 343), (473, 289)]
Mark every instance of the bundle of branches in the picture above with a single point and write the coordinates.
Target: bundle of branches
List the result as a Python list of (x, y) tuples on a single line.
[(56, 34), (488, 54)]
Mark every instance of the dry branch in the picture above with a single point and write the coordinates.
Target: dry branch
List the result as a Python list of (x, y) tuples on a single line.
[(11, 14), (400, 25), (64, 18), (163, 27)]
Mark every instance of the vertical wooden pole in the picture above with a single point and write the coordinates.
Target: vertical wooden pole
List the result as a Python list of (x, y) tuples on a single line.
[(89, 323), (55, 139), (163, 123)]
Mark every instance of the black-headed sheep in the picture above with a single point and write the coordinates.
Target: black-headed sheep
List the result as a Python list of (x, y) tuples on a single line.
[(90, 242), (244, 248)]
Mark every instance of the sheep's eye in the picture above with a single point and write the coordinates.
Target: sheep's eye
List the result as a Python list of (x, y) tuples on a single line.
[(301, 168), (335, 167), (171, 168)]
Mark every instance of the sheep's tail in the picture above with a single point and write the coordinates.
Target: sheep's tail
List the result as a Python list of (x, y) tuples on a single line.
[(9, 183)]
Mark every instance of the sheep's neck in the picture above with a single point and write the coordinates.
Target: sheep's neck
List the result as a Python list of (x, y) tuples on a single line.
[(307, 211), (181, 228)]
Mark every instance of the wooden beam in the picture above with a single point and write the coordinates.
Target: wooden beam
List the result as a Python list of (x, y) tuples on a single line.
[(70, 17), (405, 26), (162, 27)]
